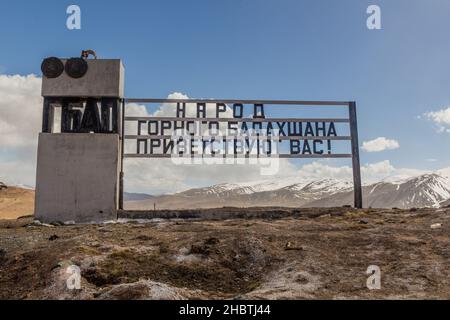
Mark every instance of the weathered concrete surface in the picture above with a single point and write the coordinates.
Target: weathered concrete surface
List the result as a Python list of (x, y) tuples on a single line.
[(104, 78), (77, 177)]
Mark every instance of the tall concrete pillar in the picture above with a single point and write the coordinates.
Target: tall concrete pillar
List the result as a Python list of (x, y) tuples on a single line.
[(79, 150)]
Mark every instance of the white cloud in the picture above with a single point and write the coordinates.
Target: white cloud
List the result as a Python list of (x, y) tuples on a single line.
[(20, 124), (20, 110), (169, 109), (20, 121), (320, 170), (136, 110), (380, 144), (377, 171), (441, 118), (162, 176), (158, 176), (370, 173)]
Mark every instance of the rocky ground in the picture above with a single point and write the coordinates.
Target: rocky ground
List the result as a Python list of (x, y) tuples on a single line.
[(306, 254)]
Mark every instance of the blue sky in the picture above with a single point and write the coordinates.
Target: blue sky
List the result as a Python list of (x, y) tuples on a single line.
[(305, 50)]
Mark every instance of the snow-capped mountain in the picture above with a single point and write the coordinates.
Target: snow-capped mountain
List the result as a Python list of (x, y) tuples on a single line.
[(282, 193), (253, 187), (427, 190)]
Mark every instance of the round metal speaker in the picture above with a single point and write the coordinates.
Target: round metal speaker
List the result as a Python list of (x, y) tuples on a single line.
[(52, 67), (76, 67)]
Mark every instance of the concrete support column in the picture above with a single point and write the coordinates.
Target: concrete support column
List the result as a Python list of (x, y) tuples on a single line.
[(77, 177)]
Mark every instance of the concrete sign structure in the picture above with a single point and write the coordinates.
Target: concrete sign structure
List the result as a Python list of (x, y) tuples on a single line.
[(81, 147), (222, 132), (79, 162)]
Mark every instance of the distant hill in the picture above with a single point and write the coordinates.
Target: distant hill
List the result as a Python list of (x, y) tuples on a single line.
[(282, 193), (127, 196), (15, 202), (428, 190)]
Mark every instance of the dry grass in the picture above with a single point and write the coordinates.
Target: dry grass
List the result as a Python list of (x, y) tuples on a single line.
[(238, 258)]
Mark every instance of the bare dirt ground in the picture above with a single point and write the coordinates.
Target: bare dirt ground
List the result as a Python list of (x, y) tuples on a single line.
[(307, 254), (16, 202)]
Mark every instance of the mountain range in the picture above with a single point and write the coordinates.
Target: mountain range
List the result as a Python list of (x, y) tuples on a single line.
[(427, 190)]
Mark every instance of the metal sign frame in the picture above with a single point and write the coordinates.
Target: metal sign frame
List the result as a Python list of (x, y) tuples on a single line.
[(351, 120)]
